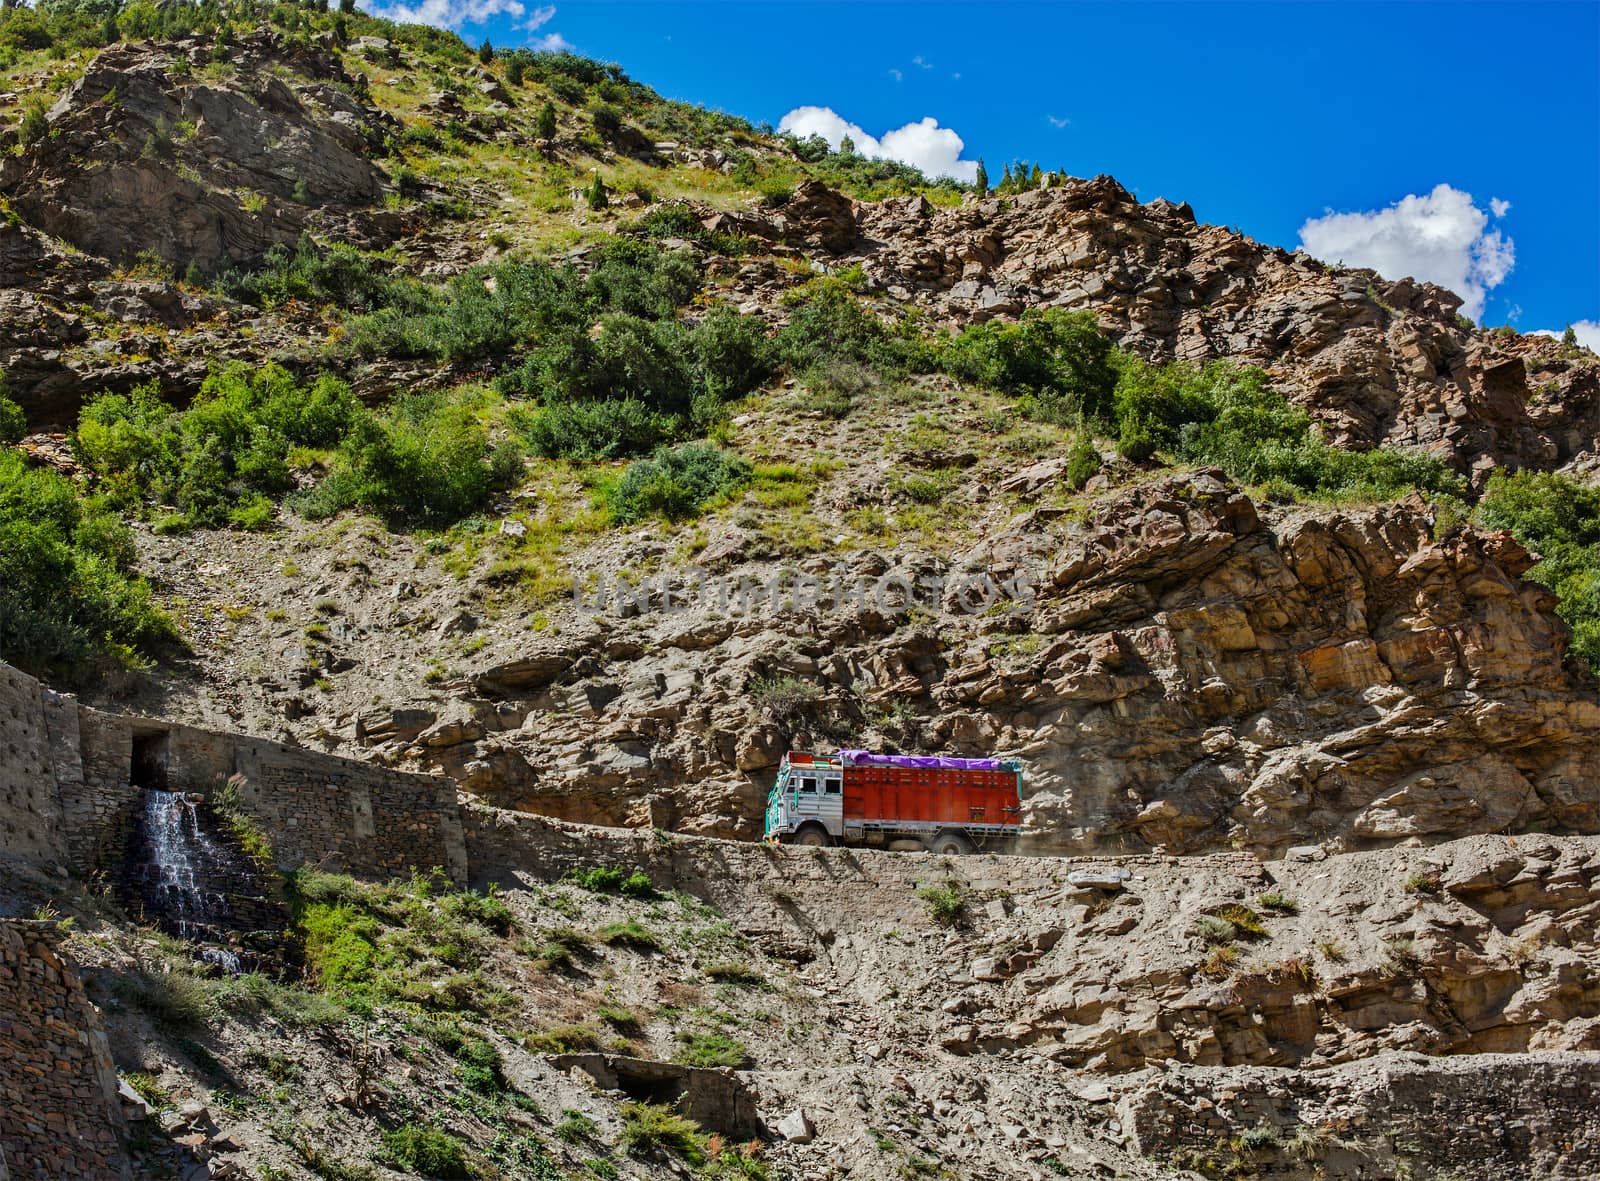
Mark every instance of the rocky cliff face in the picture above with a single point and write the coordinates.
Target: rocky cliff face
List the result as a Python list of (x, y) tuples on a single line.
[(1187, 675), (1181, 669), (167, 150)]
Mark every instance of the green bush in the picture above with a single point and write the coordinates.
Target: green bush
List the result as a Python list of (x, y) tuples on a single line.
[(1228, 415), (631, 933), (425, 461), (13, 420), (710, 1049), (675, 483), (947, 903), (1558, 518), (319, 273), (427, 1150), (594, 430), (564, 1039), (34, 126), (828, 323), (70, 604), (217, 460), (1083, 460), (613, 879), (731, 353), (835, 385), (480, 1066), (649, 1127), (1057, 362)]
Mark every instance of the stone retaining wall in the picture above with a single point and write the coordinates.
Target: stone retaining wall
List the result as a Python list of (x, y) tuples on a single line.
[(1498, 1117), (59, 1112), (72, 778)]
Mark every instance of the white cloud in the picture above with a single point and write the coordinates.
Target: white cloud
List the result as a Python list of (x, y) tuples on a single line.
[(1441, 238), (1587, 332), (448, 14), (924, 144), (1498, 207), (896, 75), (1058, 120), (454, 14), (917, 61)]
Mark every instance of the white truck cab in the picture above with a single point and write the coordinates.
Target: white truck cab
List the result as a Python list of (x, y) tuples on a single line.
[(806, 803)]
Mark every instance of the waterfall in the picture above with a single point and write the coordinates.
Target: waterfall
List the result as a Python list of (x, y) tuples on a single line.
[(187, 878)]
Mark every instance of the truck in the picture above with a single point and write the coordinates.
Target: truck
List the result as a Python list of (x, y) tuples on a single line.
[(856, 797)]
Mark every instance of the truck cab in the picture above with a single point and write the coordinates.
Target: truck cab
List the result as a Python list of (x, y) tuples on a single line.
[(806, 803)]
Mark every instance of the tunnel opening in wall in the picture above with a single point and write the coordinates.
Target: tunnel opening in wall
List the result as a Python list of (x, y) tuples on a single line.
[(148, 767)]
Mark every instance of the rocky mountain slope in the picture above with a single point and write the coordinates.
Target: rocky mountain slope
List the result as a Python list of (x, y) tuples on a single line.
[(1421, 1010), (1327, 754), (1185, 676)]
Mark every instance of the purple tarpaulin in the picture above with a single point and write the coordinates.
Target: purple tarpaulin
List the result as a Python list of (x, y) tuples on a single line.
[(865, 758)]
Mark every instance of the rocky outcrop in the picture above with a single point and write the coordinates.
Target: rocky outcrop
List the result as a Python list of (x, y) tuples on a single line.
[(1375, 361), (160, 150)]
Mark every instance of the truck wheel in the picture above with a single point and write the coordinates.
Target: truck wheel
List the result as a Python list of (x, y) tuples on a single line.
[(813, 836), (951, 843)]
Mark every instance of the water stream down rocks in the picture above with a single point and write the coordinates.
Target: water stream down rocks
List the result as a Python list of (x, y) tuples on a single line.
[(184, 872)]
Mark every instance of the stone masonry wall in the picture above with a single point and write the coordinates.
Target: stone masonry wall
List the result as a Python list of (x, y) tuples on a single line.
[(59, 1112), (30, 811), (1500, 1117), (68, 791)]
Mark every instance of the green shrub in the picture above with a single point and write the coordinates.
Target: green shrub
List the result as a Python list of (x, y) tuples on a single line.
[(1278, 901), (34, 126), (425, 461), (828, 323), (631, 933), (1245, 921), (650, 1127), (564, 1039), (783, 697), (13, 420), (1083, 461), (488, 909), (710, 1049), (1214, 930), (1558, 518), (731, 352), (595, 430), (677, 220), (612, 879), (731, 972), (622, 1020), (834, 385), (427, 1150), (1228, 415), (216, 461), (576, 1127), (479, 1066), (69, 602), (1423, 881), (321, 273), (675, 483), (946, 903), (1056, 361), (560, 947)]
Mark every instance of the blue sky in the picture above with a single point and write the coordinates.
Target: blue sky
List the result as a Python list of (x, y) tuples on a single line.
[(1262, 116)]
